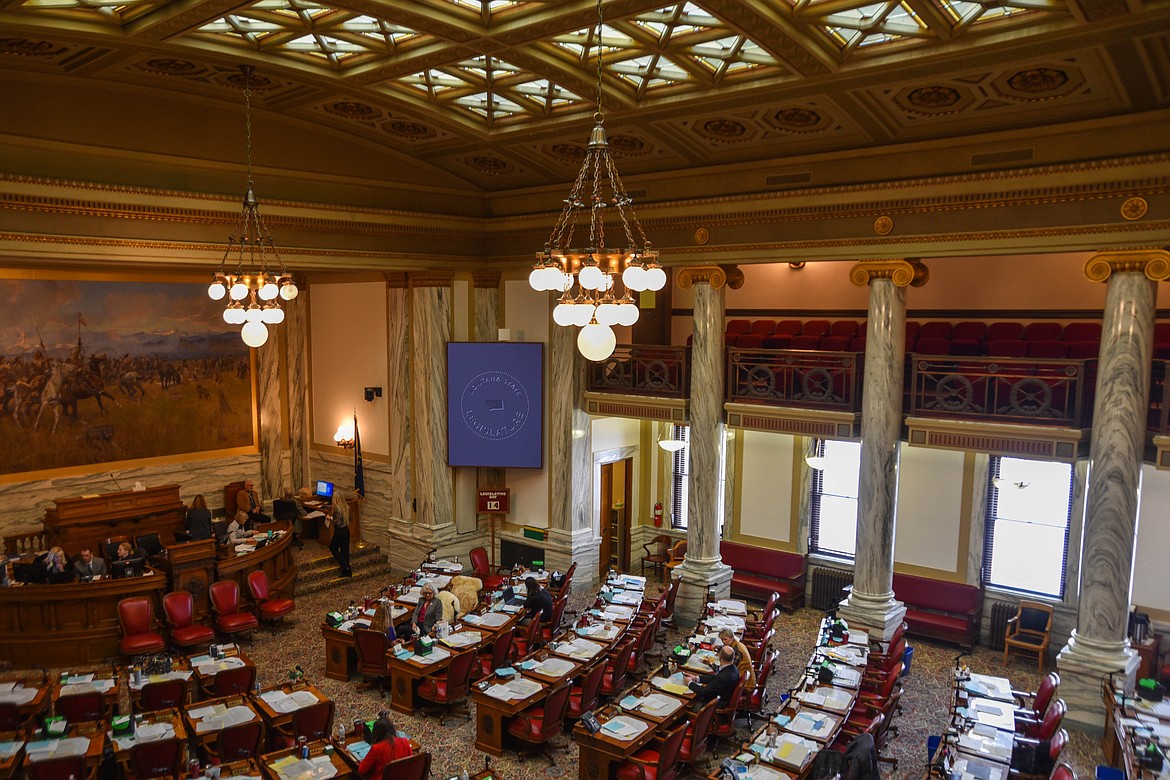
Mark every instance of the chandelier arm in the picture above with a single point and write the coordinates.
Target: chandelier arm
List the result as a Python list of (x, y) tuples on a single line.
[(621, 200)]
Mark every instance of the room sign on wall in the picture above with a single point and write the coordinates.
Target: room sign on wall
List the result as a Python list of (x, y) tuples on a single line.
[(493, 501)]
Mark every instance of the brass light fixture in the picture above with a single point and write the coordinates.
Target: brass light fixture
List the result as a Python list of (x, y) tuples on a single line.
[(596, 281), (256, 287)]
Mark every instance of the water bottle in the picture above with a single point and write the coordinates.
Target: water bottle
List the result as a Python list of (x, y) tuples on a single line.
[(464, 775), (303, 745)]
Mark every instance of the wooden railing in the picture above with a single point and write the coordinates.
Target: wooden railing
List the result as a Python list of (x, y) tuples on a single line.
[(1027, 391), (649, 370), (25, 542), (800, 378)]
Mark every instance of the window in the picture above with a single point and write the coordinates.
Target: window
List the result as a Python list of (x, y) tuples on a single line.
[(1025, 537), (680, 478), (833, 498)]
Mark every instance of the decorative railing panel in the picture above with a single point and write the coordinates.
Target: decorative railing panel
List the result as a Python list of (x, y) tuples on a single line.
[(1158, 421), (25, 542), (660, 371), (798, 378), (1027, 391)]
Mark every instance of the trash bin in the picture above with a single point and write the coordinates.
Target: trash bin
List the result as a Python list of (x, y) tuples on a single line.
[(1109, 773), (907, 657), (932, 743)]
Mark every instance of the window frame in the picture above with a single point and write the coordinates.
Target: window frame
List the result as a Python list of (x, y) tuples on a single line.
[(816, 491), (680, 470)]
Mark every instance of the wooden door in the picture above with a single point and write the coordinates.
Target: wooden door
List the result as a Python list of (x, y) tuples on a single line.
[(603, 559)]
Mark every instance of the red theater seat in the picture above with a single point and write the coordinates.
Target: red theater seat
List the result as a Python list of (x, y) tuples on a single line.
[(763, 327), (1007, 348), (1047, 349), (928, 345), (935, 330), (1043, 331), (816, 328), (1004, 330)]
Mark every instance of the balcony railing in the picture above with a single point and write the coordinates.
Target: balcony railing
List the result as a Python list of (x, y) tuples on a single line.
[(659, 371), (1027, 391), (1158, 421), (800, 378)]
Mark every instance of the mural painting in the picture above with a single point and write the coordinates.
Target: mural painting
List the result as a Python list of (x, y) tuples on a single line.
[(92, 372)]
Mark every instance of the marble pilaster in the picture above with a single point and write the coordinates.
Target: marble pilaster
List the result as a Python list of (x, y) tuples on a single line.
[(397, 392), (296, 350), (871, 603), (569, 462), (703, 569), (268, 403), (430, 301), (1099, 644)]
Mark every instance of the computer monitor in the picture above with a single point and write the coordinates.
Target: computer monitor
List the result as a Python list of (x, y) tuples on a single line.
[(131, 567), (30, 573), (324, 489)]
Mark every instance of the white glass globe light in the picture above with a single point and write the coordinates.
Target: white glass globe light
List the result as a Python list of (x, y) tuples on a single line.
[(268, 291), (607, 314), (563, 314), (591, 278), (583, 314), (655, 278), (239, 291), (634, 278), (216, 291), (536, 278), (627, 314), (596, 342), (254, 333), (289, 290), (554, 279), (233, 315), (253, 313), (272, 315), (228, 316)]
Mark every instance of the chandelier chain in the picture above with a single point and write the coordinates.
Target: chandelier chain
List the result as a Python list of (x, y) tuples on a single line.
[(600, 28)]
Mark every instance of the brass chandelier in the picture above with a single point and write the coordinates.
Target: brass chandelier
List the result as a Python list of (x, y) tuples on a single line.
[(255, 287), (596, 281)]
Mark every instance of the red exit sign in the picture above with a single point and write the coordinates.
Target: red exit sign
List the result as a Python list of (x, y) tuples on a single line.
[(493, 501)]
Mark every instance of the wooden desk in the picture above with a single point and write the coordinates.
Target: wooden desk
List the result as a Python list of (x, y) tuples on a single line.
[(24, 684), (276, 721), (405, 673), (201, 739), (94, 732), (1148, 652), (342, 763), (275, 559), (600, 753), (341, 647), (110, 697), (204, 674), (172, 718), (490, 713), (10, 762)]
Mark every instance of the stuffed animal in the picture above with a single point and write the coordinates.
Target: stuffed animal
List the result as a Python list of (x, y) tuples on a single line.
[(466, 589)]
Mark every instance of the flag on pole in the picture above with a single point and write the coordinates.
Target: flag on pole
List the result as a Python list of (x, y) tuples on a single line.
[(359, 469)]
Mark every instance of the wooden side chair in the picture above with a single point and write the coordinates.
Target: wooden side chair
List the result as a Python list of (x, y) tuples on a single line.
[(657, 554), (1029, 632)]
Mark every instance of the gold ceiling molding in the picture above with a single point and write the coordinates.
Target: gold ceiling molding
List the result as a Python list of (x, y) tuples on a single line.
[(1154, 263), (1134, 208), (397, 280), (430, 279), (715, 275), (486, 280), (903, 273)]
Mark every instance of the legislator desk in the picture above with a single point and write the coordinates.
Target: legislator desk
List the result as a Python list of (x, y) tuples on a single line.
[(341, 646), (283, 764), (74, 523), (275, 559)]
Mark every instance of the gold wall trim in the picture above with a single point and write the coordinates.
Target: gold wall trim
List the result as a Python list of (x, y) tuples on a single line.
[(929, 572), (903, 273), (1031, 441), (715, 275), (430, 279), (118, 465), (797, 422), (1154, 263), (669, 410)]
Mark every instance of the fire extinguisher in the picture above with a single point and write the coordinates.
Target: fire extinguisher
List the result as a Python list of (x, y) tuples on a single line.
[(657, 514)]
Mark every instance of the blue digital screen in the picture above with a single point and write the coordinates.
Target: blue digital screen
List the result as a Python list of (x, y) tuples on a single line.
[(495, 404), (324, 489)]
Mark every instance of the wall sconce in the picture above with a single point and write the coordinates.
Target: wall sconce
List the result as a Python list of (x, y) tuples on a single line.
[(344, 436), (796, 266), (372, 393)]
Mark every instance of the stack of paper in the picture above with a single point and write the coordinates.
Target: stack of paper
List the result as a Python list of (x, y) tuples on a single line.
[(491, 619), (732, 606), (16, 693), (670, 684), (316, 768), (285, 703), (580, 648), (87, 687), (658, 705), (761, 772), (827, 698), (462, 639), (624, 728), (436, 654), (515, 689), (9, 749), (812, 723), (56, 748), (205, 666), (219, 717), (790, 750), (617, 612), (177, 675), (554, 667)]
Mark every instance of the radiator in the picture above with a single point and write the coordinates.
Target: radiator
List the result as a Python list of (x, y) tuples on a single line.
[(997, 625), (826, 587)]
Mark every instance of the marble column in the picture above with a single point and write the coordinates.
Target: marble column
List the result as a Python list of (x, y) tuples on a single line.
[(569, 463), (703, 569), (268, 403), (404, 550), (296, 350), (1099, 644), (872, 604)]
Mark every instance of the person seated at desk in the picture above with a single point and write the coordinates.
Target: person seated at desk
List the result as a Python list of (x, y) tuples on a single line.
[(88, 567), (126, 552), (249, 503), (291, 509), (743, 659), (387, 746), (538, 599), (129, 561), (198, 521), (721, 683), (428, 612), (383, 621), (237, 529), (57, 569)]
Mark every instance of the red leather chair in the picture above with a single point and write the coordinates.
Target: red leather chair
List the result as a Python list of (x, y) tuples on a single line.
[(81, 707), (487, 662), (583, 697), (566, 583), (10, 717), (451, 687), (271, 610), (753, 702), (1063, 772), (135, 615), (757, 647), (697, 738), (538, 724), (372, 647), (724, 726), (659, 762), (56, 768), (483, 569), (228, 682), (312, 723), (416, 767), (1048, 726), (161, 758), (237, 742), (616, 669), (523, 645), (1055, 746), (878, 693), (1033, 706), (179, 608), (553, 627), (769, 607), (162, 695), (225, 601)]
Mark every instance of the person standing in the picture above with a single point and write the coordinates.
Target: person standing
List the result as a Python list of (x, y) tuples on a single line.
[(199, 519), (339, 544)]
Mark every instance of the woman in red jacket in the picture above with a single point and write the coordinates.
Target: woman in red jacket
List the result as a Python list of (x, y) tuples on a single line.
[(387, 747)]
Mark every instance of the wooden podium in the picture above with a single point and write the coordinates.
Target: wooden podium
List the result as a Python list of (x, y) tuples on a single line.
[(89, 520)]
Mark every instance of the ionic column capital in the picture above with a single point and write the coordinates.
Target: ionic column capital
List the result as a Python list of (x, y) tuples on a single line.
[(430, 279), (1154, 263), (714, 275), (902, 273)]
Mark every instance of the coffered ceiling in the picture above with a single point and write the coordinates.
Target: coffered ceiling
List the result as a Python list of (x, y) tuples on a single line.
[(500, 93)]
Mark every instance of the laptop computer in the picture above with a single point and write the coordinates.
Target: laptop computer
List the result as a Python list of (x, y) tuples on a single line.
[(511, 599)]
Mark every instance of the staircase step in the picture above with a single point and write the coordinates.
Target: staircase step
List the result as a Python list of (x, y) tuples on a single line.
[(316, 586)]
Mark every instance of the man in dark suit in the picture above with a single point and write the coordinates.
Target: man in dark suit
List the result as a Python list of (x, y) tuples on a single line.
[(720, 683), (88, 566)]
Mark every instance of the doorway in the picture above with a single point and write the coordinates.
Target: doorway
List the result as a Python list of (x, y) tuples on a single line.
[(617, 484)]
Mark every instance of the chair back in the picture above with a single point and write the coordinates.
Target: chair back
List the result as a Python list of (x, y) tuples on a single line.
[(56, 768), (1052, 720), (416, 767), (620, 664), (258, 585), (371, 647), (163, 757), (671, 744), (313, 722), (726, 715), (81, 707), (240, 741), (164, 695), (219, 529), (10, 717), (888, 682), (225, 597), (1035, 618), (671, 594), (756, 650), (502, 647), (700, 728), (756, 698), (459, 675), (232, 681), (770, 604), (150, 543), (1063, 772), (1057, 744), (134, 614), (1045, 693), (590, 687), (479, 562), (179, 608), (110, 547), (678, 551), (558, 614), (556, 704)]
